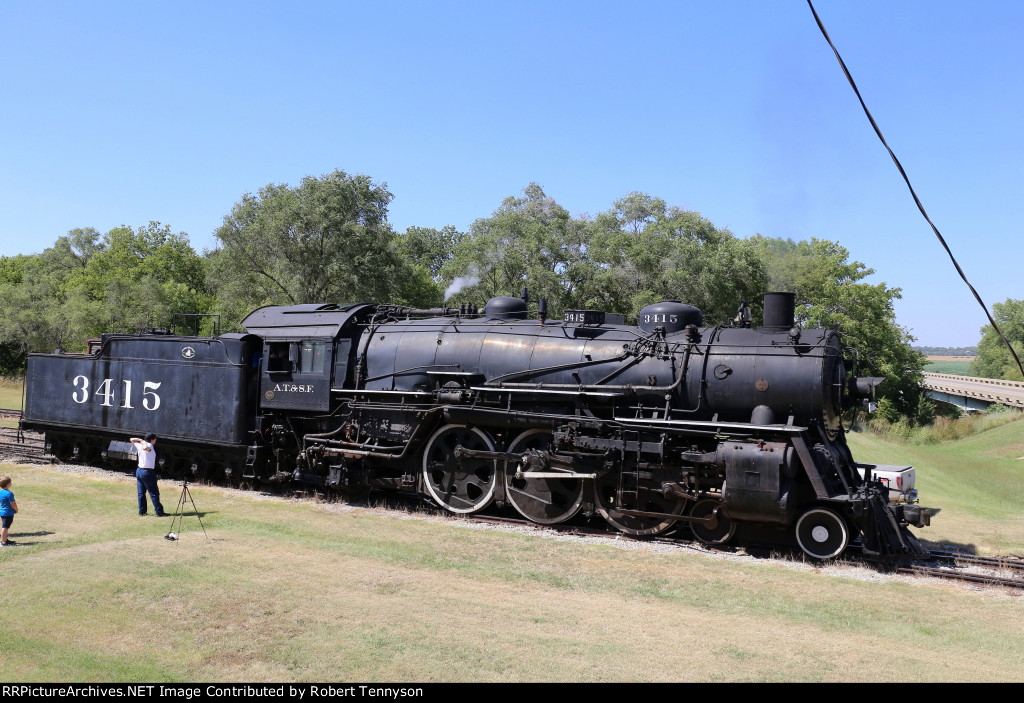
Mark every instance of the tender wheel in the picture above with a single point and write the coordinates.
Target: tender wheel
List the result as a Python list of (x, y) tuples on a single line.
[(716, 527), (62, 450), (543, 500), (461, 486), (822, 534), (645, 497)]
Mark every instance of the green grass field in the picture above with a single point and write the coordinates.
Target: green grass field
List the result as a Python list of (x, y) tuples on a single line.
[(957, 368), (283, 590), (977, 481), (10, 393)]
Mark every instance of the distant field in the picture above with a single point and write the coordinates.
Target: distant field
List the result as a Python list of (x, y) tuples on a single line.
[(956, 365)]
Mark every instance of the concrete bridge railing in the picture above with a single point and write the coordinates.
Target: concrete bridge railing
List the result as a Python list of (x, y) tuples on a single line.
[(983, 391)]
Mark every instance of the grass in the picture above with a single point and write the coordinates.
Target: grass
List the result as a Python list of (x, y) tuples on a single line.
[(956, 368), (298, 591), (977, 481), (942, 429), (10, 392)]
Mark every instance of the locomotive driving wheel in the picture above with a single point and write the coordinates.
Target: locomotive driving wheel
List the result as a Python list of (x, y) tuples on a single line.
[(543, 500), (461, 486), (713, 527), (821, 533), (647, 497)]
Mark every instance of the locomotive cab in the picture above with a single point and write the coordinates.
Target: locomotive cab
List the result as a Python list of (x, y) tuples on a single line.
[(305, 353)]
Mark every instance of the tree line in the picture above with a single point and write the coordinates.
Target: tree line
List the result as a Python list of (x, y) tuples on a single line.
[(994, 359), (328, 240), (947, 351)]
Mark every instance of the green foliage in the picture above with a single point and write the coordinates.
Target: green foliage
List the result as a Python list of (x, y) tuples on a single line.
[(87, 284), (136, 279), (12, 359), (949, 424), (887, 411), (36, 290), (426, 252), (994, 360), (924, 413), (528, 242), (649, 252), (326, 240), (429, 248), (640, 252)]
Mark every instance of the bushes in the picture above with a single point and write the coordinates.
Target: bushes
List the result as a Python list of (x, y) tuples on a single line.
[(943, 428)]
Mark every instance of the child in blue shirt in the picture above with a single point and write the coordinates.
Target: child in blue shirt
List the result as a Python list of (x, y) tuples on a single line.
[(8, 507)]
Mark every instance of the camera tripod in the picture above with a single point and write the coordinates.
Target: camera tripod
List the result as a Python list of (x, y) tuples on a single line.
[(186, 494)]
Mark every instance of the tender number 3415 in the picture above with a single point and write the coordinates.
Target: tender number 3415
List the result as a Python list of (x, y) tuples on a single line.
[(106, 390)]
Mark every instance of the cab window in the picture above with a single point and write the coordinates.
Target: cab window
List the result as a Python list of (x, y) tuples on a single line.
[(277, 357), (311, 356)]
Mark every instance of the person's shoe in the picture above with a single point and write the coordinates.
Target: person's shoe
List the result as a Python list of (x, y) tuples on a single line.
[(142, 514), (161, 514)]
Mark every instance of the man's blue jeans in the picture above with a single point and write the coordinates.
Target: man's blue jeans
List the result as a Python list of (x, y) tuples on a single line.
[(146, 480)]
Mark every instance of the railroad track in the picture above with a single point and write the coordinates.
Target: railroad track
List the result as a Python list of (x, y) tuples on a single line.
[(1007, 571), (26, 447), (1012, 562), (987, 579)]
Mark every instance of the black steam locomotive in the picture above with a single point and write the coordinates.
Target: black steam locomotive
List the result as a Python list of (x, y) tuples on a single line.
[(666, 424)]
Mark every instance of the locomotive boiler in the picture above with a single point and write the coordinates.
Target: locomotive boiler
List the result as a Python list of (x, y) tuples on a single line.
[(651, 427)]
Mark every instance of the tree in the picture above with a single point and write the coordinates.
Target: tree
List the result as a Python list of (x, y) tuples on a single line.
[(830, 293), (87, 284), (136, 278), (34, 288), (428, 247), (326, 240), (530, 242), (994, 360), (648, 252), (425, 251)]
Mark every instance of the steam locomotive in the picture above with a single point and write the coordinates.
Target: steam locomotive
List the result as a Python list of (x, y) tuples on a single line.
[(651, 427)]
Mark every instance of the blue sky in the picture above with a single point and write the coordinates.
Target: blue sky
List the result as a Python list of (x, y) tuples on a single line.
[(121, 113)]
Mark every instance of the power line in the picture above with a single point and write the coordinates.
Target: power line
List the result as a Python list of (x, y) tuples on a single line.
[(917, 200)]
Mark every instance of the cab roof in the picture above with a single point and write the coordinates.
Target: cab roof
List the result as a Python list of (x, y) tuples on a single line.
[(316, 320)]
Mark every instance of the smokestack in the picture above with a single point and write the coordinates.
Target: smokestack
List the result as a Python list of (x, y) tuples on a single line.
[(779, 309)]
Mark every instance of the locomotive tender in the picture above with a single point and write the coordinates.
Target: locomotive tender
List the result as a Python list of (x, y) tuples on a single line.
[(668, 423)]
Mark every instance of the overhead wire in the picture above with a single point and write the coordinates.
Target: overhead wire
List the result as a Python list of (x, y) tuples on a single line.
[(917, 200)]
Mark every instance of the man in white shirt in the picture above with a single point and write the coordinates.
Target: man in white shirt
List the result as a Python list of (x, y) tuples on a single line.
[(145, 475)]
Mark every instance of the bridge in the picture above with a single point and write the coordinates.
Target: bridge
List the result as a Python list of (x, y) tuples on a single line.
[(972, 393)]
